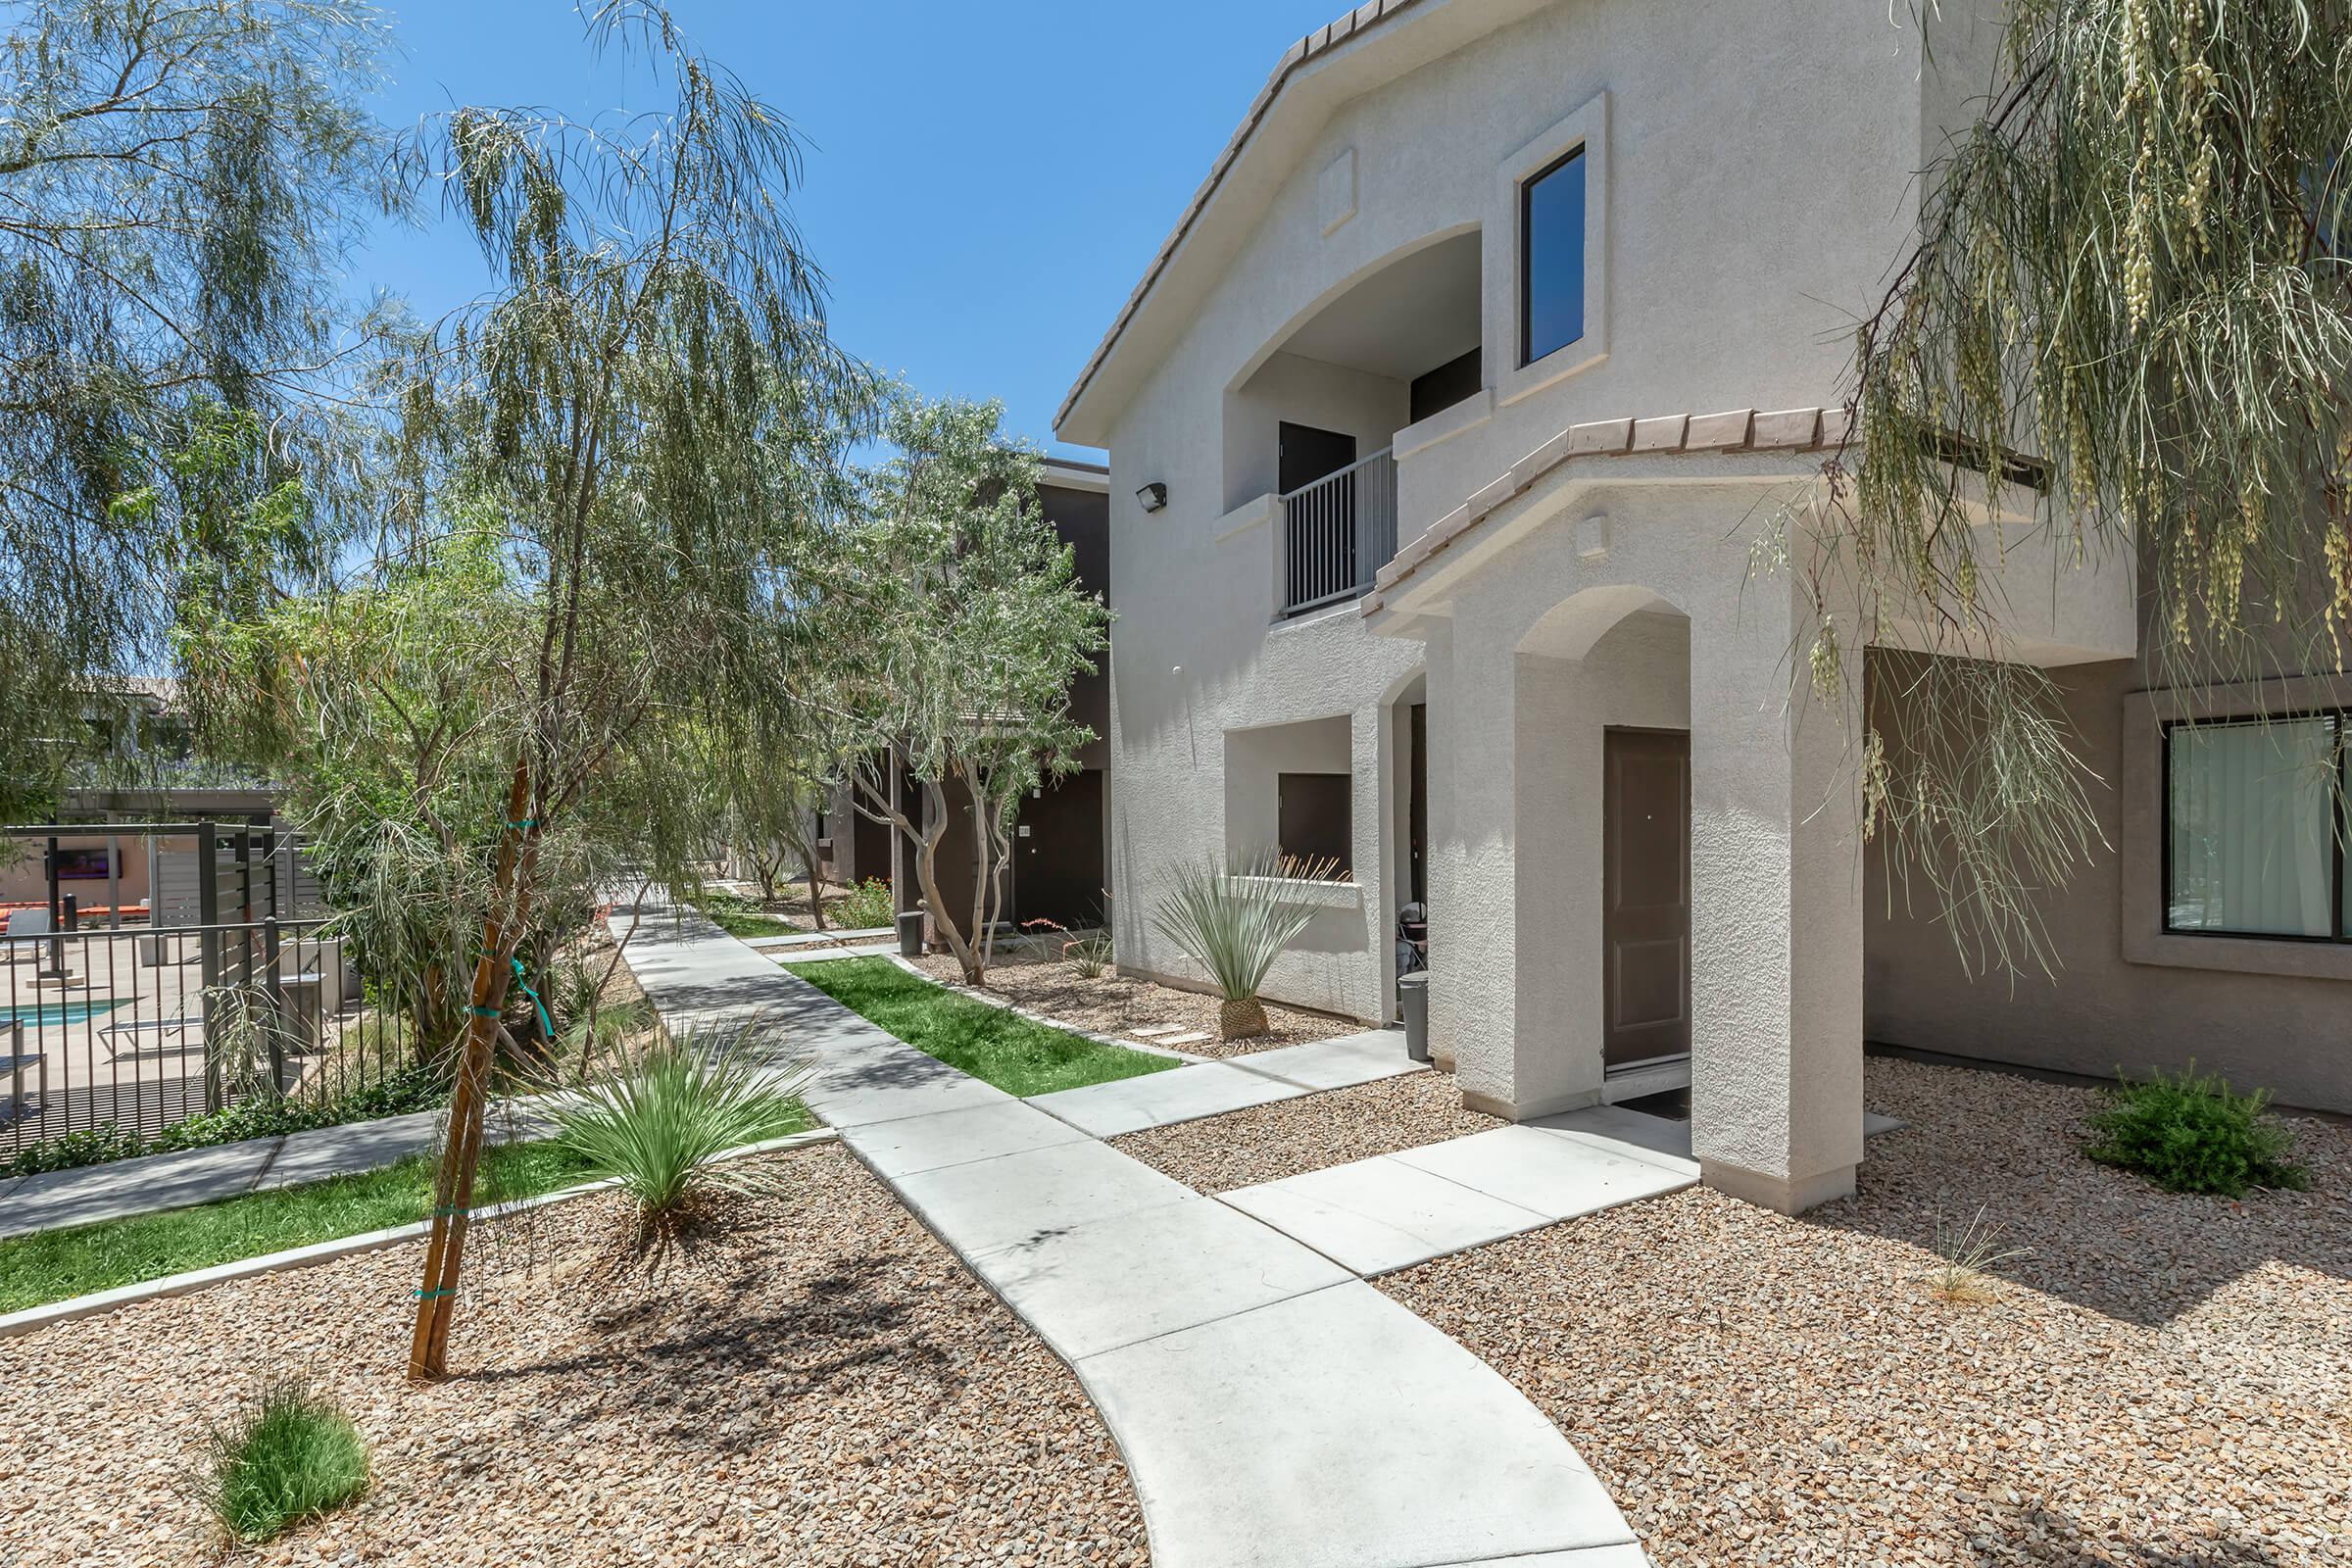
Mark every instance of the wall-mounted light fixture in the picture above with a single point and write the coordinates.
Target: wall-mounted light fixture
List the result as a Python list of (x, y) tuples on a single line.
[(1154, 496)]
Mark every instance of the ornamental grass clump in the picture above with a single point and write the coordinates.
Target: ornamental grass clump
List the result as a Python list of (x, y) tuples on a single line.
[(291, 1456), (1235, 925), (658, 1130), (2192, 1133)]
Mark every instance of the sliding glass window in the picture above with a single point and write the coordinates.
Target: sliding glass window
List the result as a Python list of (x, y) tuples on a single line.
[(2254, 828)]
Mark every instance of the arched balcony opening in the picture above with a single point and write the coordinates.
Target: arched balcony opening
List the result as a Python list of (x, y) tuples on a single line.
[(1314, 423)]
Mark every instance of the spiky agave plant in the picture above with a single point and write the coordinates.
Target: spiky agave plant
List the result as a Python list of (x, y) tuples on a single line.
[(1235, 924), (658, 1128)]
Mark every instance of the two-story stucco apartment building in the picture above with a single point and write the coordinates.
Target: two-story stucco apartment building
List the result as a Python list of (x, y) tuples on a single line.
[(1440, 431)]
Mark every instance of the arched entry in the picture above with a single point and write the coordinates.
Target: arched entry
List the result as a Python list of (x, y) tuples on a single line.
[(1601, 728)]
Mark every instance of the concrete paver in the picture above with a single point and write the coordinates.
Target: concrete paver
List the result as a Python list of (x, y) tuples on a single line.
[(1559, 1178), (1379, 1215), (1341, 1062), (1626, 1132), (1024, 1199), (1336, 1430), (916, 1143), (1077, 1288), (1160, 1099)]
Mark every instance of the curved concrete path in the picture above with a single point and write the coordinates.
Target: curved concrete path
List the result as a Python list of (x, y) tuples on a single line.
[(1274, 1409)]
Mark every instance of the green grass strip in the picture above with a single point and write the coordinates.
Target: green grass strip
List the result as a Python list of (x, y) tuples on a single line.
[(993, 1044), (743, 923), (53, 1265)]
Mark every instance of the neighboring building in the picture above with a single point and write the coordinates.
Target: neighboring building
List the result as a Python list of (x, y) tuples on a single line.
[(1058, 870), (141, 771), (1432, 546)]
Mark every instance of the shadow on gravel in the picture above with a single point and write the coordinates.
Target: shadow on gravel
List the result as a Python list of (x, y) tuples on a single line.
[(2100, 1238), (719, 1362), (2037, 1533)]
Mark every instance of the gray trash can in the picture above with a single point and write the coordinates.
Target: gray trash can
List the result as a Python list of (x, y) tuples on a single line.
[(1412, 995), (911, 934)]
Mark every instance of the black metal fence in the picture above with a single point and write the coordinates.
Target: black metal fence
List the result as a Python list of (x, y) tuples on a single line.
[(137, 1015)]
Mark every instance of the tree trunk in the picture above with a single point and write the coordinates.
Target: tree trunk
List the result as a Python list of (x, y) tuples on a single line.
[(926, 859), (807, 848), (462, 1147), (975, 965)]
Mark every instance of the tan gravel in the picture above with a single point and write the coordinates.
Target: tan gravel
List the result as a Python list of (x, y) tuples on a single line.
[(2163, 1381), (829, 1388), (1120, 1004), (1291, 1137)]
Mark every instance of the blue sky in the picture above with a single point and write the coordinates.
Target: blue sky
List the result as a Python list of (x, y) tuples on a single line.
[(985, 183)]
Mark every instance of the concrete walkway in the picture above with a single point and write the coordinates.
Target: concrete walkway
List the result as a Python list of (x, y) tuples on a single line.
[(1274, 1409), (121, 1187)]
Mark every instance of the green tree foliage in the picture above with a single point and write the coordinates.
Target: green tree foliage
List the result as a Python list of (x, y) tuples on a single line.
[(595, 478), (2129, 301), (179, 183), (945, 628)]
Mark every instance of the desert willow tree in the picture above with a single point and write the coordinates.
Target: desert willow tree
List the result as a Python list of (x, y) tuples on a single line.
[(773, 783), (616, 409), (946, 627), (179, 183), (2129, 313)]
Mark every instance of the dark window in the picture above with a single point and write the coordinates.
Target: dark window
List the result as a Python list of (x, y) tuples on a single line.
[(1314, 823), (1551, 259), (1304, 454), (81, 864), (1435, 391), (2255, 830)]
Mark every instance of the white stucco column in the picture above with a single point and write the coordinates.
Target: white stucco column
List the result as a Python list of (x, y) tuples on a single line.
[(1473, 908), (1776, 921)]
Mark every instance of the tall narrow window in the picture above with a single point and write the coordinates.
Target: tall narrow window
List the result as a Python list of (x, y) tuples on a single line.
[(1551, 259), (2252, 821)]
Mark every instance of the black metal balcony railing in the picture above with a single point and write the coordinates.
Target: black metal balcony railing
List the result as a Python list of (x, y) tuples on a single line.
[(1337, 532)]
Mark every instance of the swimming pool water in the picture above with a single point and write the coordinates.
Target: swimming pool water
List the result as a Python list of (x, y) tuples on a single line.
[(60, 1011)]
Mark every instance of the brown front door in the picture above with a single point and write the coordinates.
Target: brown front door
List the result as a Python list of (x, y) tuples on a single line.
[(1646, 895)]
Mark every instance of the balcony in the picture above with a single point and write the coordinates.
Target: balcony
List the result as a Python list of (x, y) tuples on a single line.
[(1335, 533)]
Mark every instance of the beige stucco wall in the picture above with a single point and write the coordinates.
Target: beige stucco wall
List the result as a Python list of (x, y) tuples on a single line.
[(2102, 1010)]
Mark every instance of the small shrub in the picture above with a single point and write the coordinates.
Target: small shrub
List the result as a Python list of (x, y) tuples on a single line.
[(864, 907), (1236, 926), (291, 1456), (92, 1146), (1089, 956), (2192, 1133), (1968, 1255), (658, 1128), (575, 988)]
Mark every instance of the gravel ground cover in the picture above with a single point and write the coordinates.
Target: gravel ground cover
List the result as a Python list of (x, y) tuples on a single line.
[(1119, 1004), (1291, 1137), (827, 1386), (2160, 1381)]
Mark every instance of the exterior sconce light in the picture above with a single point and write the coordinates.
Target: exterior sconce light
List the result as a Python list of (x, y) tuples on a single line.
[(1154, 496)]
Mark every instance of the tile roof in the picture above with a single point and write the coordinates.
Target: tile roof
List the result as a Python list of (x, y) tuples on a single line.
[(1735, 430)]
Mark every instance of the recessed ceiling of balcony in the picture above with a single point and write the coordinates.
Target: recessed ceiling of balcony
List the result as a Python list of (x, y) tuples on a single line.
[(1410, 317)]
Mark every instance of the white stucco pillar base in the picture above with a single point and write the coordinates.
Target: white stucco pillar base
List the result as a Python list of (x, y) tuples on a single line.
[(1777, 1193), (1775, 925)]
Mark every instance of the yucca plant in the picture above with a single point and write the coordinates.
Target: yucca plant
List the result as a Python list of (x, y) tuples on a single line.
[(1235, 924), (1967, 1253), (658, 1128), (292, 1455)]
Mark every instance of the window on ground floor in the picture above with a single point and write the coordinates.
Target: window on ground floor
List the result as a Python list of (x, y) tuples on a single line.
[(1313, 818), (2255, 828)]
